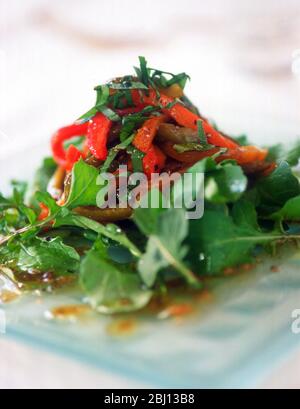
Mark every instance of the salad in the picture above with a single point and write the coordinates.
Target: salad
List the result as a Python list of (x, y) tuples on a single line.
[(62, 230)]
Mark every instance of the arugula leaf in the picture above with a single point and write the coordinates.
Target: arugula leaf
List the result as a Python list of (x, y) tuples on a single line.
[(110, 230), (84, 188), (47, 199), (289, 212), (111, 287), (292, 156), (42, 255), (19, 191), (28, 213), (244, 214), (147, 219), (44, 174), (278, 187), (226, 184), (4, 203), (280, 153), (216, 242), (165, 245)]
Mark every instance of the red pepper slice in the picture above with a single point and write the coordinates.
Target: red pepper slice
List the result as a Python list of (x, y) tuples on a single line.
[(153, 161), (63, 134), (145, 135), (45, 212), (72, 156), (244, 155), (183, 116), (97, 134)]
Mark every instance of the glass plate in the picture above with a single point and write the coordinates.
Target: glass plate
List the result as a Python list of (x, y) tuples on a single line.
[(234, 338)]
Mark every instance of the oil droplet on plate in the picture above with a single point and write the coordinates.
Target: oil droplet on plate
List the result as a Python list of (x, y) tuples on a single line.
[(122, 327), (176, 310), (68, 312)]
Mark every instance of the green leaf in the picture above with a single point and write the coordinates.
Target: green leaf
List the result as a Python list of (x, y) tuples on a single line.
[(47, 256), (226, 184), (111, 287), (131, 122), (201, 133), (216, 242), (280, 186), (44, 174), (19, 191), (102, 95), (4, 203), (110, 230), (289, 212), (109, 113), (147, 218), (244, 214), (28, 213), (280, 153), (144, 74), (113, 153), (84, 188), (47, 199), (136, 158), (292, 156), (165, 245)]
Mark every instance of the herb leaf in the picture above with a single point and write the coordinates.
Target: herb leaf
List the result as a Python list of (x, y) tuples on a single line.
[(226, 184), (165, 246), (275, 189), (216, 242), (111, 287), (84, 188), (42, 255)]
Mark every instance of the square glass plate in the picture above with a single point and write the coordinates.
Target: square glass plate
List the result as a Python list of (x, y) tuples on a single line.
[(233, 338)]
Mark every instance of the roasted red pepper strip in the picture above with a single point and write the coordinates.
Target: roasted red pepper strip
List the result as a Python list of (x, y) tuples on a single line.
[(153, 161), (45, 212), (63, 134), (244, 155), (72, 156), (183, 116), (97, 134), (145, 135)]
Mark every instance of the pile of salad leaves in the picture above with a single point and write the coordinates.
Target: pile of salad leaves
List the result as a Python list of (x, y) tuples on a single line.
[(121, 267)]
